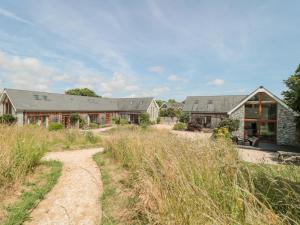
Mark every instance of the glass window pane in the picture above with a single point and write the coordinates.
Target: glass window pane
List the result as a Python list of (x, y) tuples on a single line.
[(268, 131), (255, 97), (269, 111), (251, 129), (251, 111), (265, 97)]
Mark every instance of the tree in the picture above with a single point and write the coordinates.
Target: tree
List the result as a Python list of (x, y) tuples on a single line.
[(172, 101), (184, 117), (160, 102), (81, 92), (292, 95), (144, 119), (231, 124)]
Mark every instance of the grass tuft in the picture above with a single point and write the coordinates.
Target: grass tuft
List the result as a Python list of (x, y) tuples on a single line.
[(19, 211), (182, 181)]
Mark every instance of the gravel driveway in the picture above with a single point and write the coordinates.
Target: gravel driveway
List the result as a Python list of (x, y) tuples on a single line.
[(248, 155), (75, 198)]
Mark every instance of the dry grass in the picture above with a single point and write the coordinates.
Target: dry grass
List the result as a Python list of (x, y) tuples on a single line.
[(181, 181), (21, 149)]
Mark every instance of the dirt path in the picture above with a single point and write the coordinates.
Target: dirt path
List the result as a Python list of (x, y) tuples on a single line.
[(75, 198)]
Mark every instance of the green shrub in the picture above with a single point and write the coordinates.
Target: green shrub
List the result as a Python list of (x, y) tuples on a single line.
[(94, 125), (55, 126), (74, 118), (120, 121), (116, 120), (82, 123), (90, 137), (221, 132), (123, 121), (144, 119), (184, 117), (7, 119), (158, 120), (180, 126), (231, 124)]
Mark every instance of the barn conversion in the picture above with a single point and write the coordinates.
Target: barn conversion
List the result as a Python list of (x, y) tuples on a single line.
[(34, 107), (261, 114)]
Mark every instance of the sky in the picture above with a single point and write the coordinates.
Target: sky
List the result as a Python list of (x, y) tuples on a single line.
[(160, 48)]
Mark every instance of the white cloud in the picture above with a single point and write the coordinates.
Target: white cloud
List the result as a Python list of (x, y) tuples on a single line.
[(216, 82), (154, 92), (173, 77), (157, 69), (28, 72), (11, 15)]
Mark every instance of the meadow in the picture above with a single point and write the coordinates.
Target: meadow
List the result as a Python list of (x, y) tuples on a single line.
[(172, 180), (21, 148)]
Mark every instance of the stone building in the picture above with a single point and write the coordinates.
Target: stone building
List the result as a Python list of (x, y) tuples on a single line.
[(33, 107), (261, 114)]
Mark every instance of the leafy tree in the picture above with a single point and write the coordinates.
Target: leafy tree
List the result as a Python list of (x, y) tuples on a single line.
[(81, 92), (160, 102), (230, 124), (184, 117), (144, 119), (172, 101), (292, 95)]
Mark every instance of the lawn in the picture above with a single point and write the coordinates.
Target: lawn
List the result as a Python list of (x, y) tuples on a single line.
[(173, 180)]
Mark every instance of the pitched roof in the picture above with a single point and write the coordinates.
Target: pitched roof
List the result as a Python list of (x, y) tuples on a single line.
[(262, 89), (212, 104), (175, 105), (24, 100)]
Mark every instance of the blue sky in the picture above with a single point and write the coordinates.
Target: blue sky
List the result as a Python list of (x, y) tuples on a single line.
[(166, 49)]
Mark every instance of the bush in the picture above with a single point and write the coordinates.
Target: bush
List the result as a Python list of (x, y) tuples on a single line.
[(82, 123), (184, 117), (55, 126), (158, 120), (90, 137), (221, 132), (179, 126), (144, 119), (94, 125), (120, 121), (123, 121), (231, 124), (195, 125), (7, 119), (74, 118)]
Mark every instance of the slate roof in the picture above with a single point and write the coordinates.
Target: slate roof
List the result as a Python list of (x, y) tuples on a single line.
[(212, 104), (175, 105), (36, 101)]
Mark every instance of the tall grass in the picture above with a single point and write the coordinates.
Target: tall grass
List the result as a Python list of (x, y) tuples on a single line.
[(21, 148), (181, 181)]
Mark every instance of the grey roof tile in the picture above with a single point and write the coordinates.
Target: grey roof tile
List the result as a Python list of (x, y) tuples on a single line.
[(24, 100), (212, 104)]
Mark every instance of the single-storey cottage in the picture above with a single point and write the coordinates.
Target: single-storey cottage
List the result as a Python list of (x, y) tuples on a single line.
[(34, 107), (261, 114)]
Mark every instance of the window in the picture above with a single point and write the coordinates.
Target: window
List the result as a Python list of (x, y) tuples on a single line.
[(94, 118), (260, 117), (251, 111), (38, 120), (55, 118)]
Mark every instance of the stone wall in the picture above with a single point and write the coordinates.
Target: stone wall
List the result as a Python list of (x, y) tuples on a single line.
[(239, 114), (286, 126)]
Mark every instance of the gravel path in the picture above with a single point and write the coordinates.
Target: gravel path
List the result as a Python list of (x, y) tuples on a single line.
[(248, 155), (75, 198)]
